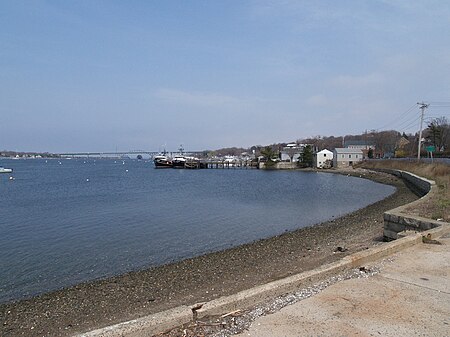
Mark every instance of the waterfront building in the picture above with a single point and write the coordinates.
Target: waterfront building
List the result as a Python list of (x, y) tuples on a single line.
[(363, 145), (359, 144), (323, 159), (345, 157), (292, 152)]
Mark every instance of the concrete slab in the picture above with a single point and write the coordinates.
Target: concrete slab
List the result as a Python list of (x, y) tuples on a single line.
[(412, 267), (410, 297), (145, 326), (430, 268)]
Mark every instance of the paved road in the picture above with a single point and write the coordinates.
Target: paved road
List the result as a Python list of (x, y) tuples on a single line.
[(409, 297)]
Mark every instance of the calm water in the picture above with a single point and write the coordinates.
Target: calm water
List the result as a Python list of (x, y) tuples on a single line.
[(57, 228)]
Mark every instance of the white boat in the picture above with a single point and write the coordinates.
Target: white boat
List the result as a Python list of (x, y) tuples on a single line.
[(178, 161), (5, 170), (162, 161)]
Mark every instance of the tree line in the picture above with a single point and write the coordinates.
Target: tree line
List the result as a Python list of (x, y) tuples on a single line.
[(385, 143)]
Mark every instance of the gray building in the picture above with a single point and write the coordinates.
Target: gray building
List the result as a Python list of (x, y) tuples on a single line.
[(359, 144), (346, 157)]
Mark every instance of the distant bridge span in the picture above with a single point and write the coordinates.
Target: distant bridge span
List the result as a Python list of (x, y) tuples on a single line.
[(124, 153)]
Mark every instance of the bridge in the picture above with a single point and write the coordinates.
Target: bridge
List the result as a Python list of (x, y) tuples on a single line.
[(132, 153)]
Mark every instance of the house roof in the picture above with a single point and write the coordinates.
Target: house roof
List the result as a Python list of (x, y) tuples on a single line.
[(402, 142), (325, 151), (346, 150), (358, 142)]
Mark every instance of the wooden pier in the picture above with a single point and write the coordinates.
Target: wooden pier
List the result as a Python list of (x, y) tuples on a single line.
[(220, 164)]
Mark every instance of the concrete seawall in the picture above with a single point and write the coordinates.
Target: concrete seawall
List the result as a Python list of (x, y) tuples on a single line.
[(395, 222), (280, 166)]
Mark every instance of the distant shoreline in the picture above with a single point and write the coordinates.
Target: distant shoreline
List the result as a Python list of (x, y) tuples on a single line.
[(104, 302)]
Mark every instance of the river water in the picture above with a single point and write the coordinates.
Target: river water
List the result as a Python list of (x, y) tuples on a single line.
[(69, 221)]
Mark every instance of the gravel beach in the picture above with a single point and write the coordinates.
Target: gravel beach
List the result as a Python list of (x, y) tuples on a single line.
[(104, 302)]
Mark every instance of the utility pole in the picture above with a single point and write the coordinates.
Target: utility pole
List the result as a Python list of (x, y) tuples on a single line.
[(422, 106)]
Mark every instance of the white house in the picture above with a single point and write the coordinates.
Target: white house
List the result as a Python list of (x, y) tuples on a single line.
[(345, 157), (323, 159)]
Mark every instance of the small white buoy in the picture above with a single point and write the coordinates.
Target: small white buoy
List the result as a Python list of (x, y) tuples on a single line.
[(11, 178), (126, 170), (87, 179), (123, 163)]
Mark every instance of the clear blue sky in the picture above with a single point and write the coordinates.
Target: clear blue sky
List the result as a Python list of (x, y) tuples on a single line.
[(100, 75)]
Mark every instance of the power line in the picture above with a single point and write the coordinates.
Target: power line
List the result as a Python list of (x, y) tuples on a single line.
[(439, 104), (434, 103), (409, 125), (433, 117), (401, 116), (406, 123)]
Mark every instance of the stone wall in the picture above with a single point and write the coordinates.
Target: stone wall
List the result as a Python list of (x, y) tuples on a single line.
[(280, 166), (286, 166), (397, 220), (418, 185)]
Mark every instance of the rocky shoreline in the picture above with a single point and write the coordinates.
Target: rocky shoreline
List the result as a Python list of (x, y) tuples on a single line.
[(101, 303)]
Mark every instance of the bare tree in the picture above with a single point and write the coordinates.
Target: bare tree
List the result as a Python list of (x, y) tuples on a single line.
[(386, 141), (438, 132)]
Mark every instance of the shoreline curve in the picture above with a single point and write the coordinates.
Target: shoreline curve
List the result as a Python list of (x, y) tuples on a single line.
[(101, 303)]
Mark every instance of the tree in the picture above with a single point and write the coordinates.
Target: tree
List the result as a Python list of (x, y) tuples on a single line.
[(307, 156), (370, 153), (321, 142), (385, 141), (270, 155), (438, 131)]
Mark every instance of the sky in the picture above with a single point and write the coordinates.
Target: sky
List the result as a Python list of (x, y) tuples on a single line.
[(147, 75)]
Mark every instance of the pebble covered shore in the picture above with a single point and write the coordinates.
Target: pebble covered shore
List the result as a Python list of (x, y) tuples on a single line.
[(104, 302)]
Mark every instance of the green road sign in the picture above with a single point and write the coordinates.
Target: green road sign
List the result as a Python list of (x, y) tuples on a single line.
[(431, 148)]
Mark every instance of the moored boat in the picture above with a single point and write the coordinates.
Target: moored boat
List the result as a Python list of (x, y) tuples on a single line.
[(192, 163), (5, 170), (178, 161), (162, 161)]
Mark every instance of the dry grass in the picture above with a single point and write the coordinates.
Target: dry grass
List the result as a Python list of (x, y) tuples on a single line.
[(437, 206)]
